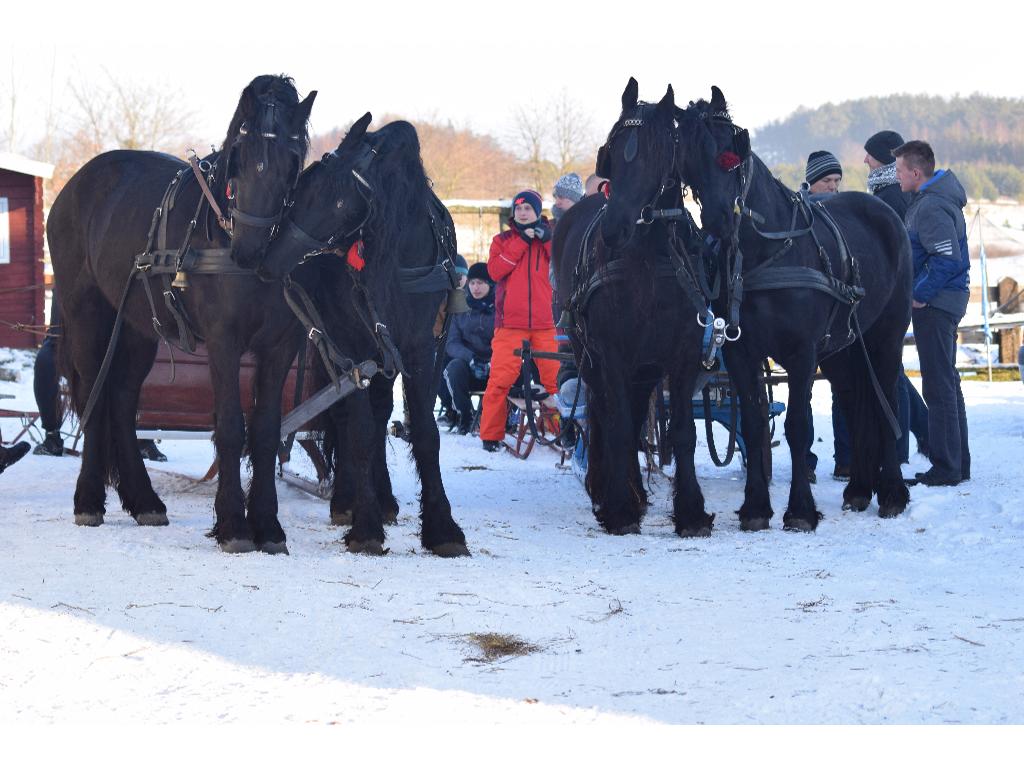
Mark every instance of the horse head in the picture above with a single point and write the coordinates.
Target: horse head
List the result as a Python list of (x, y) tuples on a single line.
[(640, 161), (261, 158), (330, 205), (715, 151)]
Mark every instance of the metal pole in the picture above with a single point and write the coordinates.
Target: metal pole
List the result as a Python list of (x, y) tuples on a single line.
[(984, 291)]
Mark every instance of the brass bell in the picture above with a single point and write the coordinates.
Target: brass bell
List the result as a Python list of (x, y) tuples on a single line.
[(180, 280)]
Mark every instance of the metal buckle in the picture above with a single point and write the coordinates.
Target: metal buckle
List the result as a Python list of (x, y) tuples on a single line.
[(314, 330)]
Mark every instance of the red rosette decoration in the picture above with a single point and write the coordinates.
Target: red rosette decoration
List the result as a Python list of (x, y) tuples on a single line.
[(354, 257), (728, 161)]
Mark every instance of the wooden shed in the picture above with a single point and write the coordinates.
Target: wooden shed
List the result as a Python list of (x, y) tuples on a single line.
[(21, 248)]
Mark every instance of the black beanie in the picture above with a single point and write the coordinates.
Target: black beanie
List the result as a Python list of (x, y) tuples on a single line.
[(479, 272), (819, 165), (881, 145)]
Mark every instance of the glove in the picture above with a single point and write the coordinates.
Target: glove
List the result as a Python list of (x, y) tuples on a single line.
[(481, 369), (542, 233)]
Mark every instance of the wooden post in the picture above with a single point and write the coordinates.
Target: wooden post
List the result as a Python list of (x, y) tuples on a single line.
[(1009, 338)]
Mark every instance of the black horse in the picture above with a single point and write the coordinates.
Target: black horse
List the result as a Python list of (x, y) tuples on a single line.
[(100, 223), (628, 291), (807, 282), (388, 271)]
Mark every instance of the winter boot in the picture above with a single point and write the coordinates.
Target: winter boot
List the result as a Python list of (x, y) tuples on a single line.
[(53, 445)]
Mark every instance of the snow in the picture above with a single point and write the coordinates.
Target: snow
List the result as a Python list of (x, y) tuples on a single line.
[(919, 619)]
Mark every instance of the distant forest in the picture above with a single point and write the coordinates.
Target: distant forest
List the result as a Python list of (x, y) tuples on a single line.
[(980, 137)]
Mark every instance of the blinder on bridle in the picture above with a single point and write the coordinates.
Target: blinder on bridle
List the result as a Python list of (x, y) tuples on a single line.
[(648, 213), (730, 159), (632, 143)]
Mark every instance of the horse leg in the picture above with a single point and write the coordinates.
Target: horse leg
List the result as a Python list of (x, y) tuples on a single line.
[(382, 401), (801, 512), (132, 363), (744, 370), (273, 364), (367, 532), (343, 496), (845, 372), (688, 511), (439, 532), (231, 529), (884, 342), (613, 469), (88, 322)]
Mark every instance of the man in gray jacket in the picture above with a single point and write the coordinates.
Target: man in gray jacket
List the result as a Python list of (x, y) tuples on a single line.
[(938, 237)]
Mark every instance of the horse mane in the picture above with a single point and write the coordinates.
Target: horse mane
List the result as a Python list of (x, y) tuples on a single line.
[(278, 88)]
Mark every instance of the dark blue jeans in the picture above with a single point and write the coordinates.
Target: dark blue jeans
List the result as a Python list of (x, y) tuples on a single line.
[(460, 382), (44, 384), (935, 334), (913, 416)]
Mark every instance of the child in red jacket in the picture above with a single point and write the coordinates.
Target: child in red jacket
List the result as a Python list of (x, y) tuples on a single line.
[(519, 263)]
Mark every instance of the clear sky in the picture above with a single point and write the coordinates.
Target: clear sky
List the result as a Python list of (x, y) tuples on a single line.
[(474, 63)]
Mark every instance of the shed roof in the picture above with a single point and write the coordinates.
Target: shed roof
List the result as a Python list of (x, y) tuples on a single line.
[(19, 164)]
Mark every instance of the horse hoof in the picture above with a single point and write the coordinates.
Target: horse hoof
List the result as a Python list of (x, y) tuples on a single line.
[(798, 524), (856, 504), (274, 548), (694, 533), (341, 518), (391, 517), (451, 549), (890, 510), (755, 524), (371, 547), (151, 518), (91, 519), (625, 530), (237, 546)]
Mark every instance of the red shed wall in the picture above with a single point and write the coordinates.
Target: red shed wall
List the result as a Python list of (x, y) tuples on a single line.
[(21, 281)]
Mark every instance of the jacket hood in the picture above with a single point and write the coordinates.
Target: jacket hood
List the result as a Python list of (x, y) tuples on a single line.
[(946, 185)]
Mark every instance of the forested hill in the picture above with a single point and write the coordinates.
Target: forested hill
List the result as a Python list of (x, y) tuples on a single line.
[(981, 137)]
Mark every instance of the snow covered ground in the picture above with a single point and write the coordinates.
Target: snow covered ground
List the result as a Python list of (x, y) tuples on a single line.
[(914, 620)]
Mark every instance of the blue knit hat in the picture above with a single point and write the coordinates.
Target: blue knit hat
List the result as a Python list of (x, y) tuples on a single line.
[(570, 187), (460, 264), (529, 197)]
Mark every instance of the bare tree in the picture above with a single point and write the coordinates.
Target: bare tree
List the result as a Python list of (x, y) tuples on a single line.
[(531, 128), (572, 132), (117, 114)]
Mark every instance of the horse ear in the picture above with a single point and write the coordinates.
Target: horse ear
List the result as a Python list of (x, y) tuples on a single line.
[(356, 132), (667, 105), (717, 99), (305, 107), (629, 96)]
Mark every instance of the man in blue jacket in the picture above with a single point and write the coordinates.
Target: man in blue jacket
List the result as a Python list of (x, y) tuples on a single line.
[(938, 236), (469, 346)]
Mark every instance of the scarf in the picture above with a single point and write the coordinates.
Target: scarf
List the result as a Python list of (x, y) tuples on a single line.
[(882, 176)]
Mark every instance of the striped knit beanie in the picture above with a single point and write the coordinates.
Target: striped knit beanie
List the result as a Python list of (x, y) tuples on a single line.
[(819, 165)]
